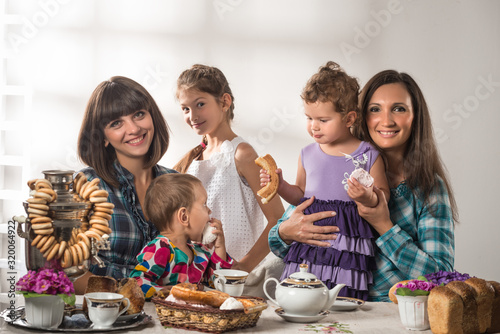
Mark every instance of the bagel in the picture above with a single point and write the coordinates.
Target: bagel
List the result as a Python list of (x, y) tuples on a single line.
[(94, 182), (39, 206), (66, 259), (74, 255), (93, 234), (45, 232), (41, 220), (41, 194), (189, 293), (33, 200), (50, 241), (103, 210), (31, 184), (106, 205), (82, 237), (85, 250), (48, 191), (78, 181), (100, 228), (37, 211), (99, 193), (36, 240), (79, 253), (83, 187), (41, 226), (41, 241), (43, 183), (62, 248), (53, 251), (34, 215), (88, 191), (98, 220), (98, 199), (392, 295), (104, 215), (269, 190)]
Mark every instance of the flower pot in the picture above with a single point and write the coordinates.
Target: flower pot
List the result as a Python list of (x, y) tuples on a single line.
[(44, 311), (413, 312)]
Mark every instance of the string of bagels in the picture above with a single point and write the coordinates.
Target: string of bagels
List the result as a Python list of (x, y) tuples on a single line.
[(78, 249)]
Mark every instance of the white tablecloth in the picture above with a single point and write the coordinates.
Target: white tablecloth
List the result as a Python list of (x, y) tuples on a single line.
[(370, 318)]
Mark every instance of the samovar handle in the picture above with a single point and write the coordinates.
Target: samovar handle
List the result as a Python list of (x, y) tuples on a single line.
[(21, 220)]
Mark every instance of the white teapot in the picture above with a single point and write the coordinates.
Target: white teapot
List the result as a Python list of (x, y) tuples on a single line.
[(303, 293)]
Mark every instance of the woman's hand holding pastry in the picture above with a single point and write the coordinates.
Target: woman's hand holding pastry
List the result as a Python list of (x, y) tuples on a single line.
[(300, 227), (378, 216)]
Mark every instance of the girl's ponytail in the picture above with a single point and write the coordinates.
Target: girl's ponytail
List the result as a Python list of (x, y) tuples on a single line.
[(183, 164)]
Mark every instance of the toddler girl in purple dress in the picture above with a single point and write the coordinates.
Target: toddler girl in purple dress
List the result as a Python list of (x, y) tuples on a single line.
[(330, 102)]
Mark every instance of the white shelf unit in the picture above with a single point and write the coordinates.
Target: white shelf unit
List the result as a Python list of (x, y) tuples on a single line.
[(13, 160)]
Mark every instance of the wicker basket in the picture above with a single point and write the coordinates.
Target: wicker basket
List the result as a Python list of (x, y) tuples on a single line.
[(206, 319)]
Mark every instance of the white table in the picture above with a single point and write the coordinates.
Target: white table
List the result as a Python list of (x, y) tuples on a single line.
[(370, 318)]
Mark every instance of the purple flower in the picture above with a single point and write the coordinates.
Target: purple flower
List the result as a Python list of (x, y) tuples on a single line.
[(46, 281), (414, 288)]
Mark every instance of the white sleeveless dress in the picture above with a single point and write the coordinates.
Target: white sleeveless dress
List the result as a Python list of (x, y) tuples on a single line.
[(230, 198)]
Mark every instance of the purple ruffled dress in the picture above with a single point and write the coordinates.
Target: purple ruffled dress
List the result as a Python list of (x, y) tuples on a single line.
[(351, 257)]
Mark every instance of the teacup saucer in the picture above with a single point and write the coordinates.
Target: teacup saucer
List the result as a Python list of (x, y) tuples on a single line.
[(301, 318)]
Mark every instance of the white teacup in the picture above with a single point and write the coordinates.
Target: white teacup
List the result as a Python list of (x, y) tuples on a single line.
[(230, 281), (104, 308)]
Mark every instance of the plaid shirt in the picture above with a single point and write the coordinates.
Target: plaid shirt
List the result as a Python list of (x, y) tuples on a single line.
[(131, 231), (420, 242)]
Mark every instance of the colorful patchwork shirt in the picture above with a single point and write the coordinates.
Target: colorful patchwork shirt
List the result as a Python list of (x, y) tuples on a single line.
[(162, 264)]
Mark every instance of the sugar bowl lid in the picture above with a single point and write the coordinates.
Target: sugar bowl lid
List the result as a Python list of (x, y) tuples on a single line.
[(303, 279)]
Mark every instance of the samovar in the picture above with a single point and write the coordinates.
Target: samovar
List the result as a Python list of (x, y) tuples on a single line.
[(69, 213)]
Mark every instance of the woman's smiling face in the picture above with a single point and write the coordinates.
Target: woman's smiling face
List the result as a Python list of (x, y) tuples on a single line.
[(389, 117), (130, 135)]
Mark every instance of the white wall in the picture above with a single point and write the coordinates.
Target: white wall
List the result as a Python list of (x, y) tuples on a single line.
[(268, 49)]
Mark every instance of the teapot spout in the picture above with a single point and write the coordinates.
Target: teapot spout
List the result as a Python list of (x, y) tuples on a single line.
[(332, 295)]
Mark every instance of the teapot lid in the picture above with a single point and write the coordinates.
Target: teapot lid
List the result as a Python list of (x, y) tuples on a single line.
[(303, 279)]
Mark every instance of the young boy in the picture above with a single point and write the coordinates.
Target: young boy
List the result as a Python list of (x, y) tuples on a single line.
[(176, 205)]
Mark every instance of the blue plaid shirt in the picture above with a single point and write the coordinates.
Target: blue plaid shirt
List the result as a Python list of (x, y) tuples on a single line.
[(131, 231), (422, 240)]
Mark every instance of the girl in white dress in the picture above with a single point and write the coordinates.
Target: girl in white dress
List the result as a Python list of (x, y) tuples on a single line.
[(225, 164)]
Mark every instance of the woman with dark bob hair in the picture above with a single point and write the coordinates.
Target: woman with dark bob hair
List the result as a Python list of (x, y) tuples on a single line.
[(416, 225), (122, 138)]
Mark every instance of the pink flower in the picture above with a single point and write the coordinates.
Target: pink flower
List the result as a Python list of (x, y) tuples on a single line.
[(46, 281)]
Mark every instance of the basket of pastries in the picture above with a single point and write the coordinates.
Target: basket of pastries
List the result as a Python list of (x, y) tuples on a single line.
[(460, 303), (187, 306)]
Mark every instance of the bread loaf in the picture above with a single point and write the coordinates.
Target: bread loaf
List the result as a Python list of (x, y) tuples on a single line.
[(485, 295), (495, 309), (99, 284), (129, 288), (469, 319), (445, 309)]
